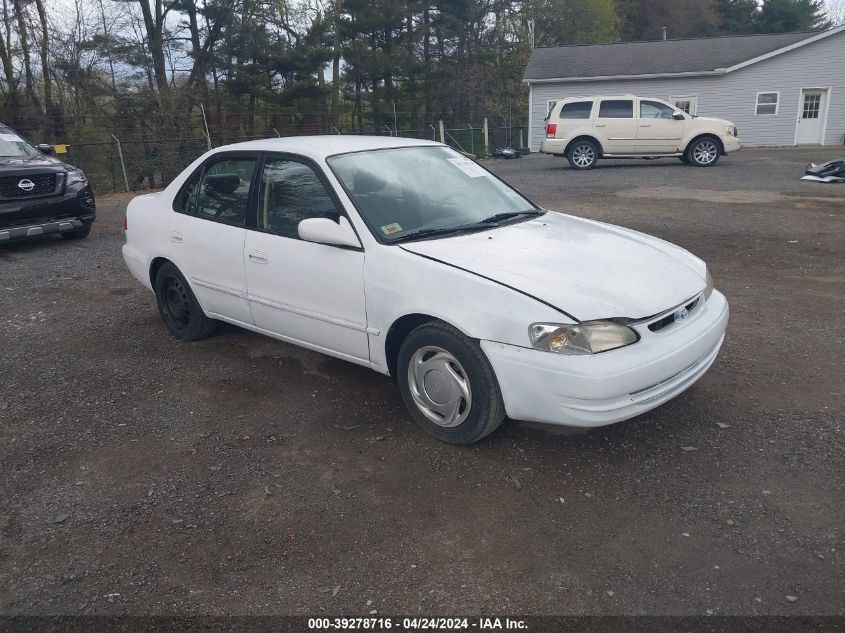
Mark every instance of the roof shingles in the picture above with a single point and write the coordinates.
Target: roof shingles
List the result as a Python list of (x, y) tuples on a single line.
[(650, 58)]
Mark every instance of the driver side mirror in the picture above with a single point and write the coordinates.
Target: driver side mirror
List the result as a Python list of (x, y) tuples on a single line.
[(325, 231), (678, 116), (45, 148)]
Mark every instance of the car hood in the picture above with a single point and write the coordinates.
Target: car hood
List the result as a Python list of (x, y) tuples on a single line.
[(713, 120), (587, 269), (31, 163)]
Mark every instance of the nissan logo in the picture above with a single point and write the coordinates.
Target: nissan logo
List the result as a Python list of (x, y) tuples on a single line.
[(26, 184), (681, 314)]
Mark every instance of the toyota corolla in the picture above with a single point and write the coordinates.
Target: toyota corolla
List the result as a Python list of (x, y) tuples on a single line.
[(411, 259)]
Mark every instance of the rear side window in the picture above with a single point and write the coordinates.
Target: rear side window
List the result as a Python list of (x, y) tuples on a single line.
[(617, 109), (223, 192), (577, 110)]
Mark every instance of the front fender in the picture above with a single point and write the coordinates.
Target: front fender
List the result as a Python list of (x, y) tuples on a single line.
[(399, 283)]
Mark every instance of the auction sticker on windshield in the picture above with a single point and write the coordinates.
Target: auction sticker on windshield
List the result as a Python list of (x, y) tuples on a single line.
[(468, 166), (390, 229)]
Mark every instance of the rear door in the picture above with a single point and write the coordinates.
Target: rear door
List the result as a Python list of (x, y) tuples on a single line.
[(616, 126), (657, 131), (208, 231)]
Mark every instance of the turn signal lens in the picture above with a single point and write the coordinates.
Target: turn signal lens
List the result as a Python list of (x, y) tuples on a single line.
[(708, 289)]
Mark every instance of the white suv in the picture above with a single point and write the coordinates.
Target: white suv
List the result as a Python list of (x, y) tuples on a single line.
[(585, 129)]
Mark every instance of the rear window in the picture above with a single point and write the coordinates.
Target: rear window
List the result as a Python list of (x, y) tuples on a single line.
[(617, 109), (577, 110)]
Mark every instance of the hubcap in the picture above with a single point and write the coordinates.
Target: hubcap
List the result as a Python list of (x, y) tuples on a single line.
[(177, 302), (705, 152), (583, 155), (439, 386)]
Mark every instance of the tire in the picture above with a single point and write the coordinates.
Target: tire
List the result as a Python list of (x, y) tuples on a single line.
[(684, 159), (468, 414), (78, 234), (703, 152), (179, 308), (583, 154)]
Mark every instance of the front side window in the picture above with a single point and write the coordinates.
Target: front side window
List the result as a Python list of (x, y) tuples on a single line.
[(655, 110), (223, 192), (291, 192), (616, 109), (767, 103), (577, 110), (411, 192)]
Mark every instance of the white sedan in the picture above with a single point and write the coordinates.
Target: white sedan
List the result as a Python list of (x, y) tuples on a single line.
[(413, 260)]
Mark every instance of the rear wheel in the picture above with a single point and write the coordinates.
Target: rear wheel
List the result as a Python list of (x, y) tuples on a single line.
[(703, 152), (179, 308), (583, 154), (448, 385)]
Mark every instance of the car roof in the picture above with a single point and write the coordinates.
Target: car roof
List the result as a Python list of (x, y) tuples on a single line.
[(319, 147)]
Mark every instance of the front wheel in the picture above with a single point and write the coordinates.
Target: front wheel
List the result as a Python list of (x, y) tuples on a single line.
[(583, 154), (703, 152), (448, 385)]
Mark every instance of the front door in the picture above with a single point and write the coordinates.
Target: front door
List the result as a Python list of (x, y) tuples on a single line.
[(306, 293), (811, 117), (657, 131), (616, 126), (207, 234)]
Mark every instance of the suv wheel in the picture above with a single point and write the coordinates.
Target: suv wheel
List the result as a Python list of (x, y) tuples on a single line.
[(583, 154), (448, 385), (703, 152), (179, 308)]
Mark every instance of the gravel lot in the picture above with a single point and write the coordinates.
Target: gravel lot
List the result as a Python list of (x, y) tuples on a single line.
[(240, 475)]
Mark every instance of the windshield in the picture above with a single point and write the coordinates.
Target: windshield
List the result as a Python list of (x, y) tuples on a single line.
[(13, 145), (407, 192)]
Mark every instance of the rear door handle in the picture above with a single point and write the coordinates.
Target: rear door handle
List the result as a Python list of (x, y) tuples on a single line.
[(176, 236), (257, 257), (645, 124)]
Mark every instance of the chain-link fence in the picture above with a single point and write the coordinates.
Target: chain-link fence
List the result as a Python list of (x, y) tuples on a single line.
[(151, 164)]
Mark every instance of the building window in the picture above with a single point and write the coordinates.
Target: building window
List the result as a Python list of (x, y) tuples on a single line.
[(688, 104), (767, 103), (550, 104)]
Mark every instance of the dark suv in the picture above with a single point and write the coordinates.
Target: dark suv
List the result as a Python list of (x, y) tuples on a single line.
[(39, 194)]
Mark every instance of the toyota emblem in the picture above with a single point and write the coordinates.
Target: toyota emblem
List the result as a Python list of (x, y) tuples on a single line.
[(681, 314), (26, 185)]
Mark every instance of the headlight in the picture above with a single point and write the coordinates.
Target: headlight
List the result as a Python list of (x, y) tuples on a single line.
[(584, 338), (729, 130), (75, 177), (708, 289)]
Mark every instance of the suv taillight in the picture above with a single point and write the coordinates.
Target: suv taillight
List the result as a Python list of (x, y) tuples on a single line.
[(551, 130), (125, 222)]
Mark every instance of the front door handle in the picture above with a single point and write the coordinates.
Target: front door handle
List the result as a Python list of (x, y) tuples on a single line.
[(176, 236), (257, 257), (601, 124), (645, 124)]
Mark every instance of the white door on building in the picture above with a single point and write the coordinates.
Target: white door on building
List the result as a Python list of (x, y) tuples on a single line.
[(811, 116)]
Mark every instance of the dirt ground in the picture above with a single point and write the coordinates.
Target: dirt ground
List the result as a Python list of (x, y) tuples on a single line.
[(241, 475)]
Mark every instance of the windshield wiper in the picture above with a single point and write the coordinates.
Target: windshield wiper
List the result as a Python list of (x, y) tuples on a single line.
[(422, 233), (501, 217)]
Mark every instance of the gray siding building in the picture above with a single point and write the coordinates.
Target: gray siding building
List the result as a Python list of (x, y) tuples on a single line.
[(779, 89)]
